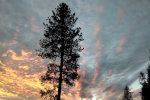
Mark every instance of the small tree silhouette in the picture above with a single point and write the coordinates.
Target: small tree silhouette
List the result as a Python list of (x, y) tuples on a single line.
[(61, 45), (145, 82), (127, 94)]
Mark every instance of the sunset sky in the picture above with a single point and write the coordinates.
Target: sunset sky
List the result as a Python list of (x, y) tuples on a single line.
[(116, 41)]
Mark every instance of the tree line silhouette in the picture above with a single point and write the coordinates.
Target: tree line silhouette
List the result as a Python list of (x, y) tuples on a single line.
[(61, 45), (144, 80)]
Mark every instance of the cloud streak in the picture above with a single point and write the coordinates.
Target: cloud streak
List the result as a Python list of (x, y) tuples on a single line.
[(116, 38)]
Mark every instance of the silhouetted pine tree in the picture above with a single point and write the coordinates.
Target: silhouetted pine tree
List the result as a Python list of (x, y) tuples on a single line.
[(145, 82), (61, 45), (127, 94)]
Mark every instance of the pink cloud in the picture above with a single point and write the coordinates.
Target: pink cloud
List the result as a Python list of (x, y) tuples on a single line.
[(31, 18), (25, 25), (35, 28), (96, 72), (97, 29), (99, 49), (19, 21), (120, 13), (122, 42), (83, 60), (110, 72), (101, 9)]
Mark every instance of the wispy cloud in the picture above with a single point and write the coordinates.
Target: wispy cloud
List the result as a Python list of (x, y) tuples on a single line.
[(116, 38)]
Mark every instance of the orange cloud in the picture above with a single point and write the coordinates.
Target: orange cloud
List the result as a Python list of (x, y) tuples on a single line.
[(101, 88), (120, 96), (18, 80), (105, 79), (107, 95), (24, 55), (21, 78), (11, 42), (4, 93), (73, 93), (82, 76), (24, 67)]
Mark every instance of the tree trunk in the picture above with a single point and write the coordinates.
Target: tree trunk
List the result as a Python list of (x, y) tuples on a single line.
[(61, 65)]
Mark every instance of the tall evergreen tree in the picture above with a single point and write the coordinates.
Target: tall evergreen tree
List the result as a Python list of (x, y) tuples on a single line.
[(61, 45), (145, 82), (127, 94)]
